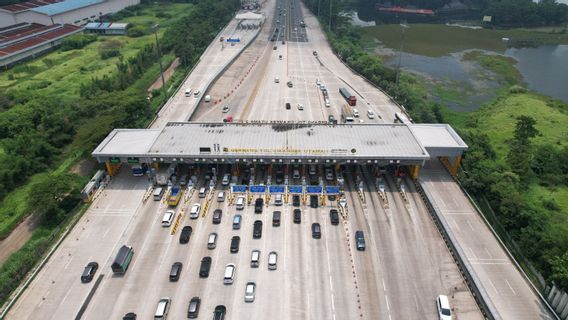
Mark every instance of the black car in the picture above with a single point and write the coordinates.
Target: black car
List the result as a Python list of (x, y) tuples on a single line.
[(89, 272), (332, 119), (257, 230), (185, 234), (205, 267), (334, 217), (314, 202), (217, 216), (276, 218), (235, 241), (360, 240), (258, 204), (297, 216), (296, 200), (193, 308), (219, 313), (316, 230), (129, 316), (332, 197), (288, 106), (175, 271)]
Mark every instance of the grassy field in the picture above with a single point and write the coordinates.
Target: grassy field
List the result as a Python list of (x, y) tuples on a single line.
[(62, 73), (498, 120), (436, 40)]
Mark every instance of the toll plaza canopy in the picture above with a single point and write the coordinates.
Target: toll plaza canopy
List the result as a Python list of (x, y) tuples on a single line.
[(281, 142)]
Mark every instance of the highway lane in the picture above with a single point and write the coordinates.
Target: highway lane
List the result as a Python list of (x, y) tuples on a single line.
[(507, 288)]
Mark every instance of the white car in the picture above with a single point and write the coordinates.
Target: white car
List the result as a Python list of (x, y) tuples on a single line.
[(300, 106), (343, 202), (194, 211), (225, 109), (168, 218), (276, 79), (318, 82), (444, 310), (272, 260), (249, 291), (370, 114), (226, 179)]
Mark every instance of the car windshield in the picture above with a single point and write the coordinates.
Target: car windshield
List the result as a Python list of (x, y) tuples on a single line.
[(446, 312)]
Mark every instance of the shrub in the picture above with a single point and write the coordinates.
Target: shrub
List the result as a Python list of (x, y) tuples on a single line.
[(77, 41), (137, 31)]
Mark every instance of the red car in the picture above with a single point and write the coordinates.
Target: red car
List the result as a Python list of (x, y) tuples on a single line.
[(228, 119)]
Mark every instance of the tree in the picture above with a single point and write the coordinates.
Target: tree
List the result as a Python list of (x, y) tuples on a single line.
[(520, 154)]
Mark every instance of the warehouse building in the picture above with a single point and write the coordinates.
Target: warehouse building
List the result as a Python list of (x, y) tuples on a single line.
[(28, 40), (47, 12)]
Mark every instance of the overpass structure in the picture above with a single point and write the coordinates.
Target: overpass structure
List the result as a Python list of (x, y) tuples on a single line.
[(282, 142)]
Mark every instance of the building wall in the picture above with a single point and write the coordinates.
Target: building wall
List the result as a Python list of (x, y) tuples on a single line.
[(30, 54), (78, 17)]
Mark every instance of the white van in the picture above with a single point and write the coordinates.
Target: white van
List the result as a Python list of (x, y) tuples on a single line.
[(158, 193), (276, 80), (188, 92), (229, 277), (355, 113), (240, 203), (168, 218), (162, 309), (278, 200), (207, 98), (202, 192), (221, 196), (255, 259), (370, 114)]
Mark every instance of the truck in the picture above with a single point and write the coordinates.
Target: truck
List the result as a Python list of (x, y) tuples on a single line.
[(351, 99), (346, 114), (175, 196), (122, 260)]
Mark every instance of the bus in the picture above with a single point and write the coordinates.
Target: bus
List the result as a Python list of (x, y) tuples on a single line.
[(122, 260), (401, 118)]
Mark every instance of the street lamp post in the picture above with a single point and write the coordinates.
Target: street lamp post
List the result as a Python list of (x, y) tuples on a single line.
[(154, 29), (402, 26)]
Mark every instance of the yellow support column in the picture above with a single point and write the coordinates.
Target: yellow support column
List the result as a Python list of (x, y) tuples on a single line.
[(414, 171), (112, 168), (452, 166)]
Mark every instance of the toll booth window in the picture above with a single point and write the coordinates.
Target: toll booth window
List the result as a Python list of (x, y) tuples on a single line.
[(204, 150)]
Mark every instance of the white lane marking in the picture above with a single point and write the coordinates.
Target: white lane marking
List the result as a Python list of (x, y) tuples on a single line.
[(493, 286), (470, 225), (68, 262), (384, 285), (510, 287), (387, 301), (488, 253)]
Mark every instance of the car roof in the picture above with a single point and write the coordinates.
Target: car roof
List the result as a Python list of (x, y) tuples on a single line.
[(444, 301)]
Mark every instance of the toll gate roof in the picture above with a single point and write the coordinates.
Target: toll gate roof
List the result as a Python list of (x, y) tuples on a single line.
[(274, 140)]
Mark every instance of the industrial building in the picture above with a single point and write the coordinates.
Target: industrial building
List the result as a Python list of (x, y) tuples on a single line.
[(47, 12), (28, 40), (107, 28)]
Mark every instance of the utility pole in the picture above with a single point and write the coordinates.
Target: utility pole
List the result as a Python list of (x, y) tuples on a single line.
[(155, 28), (402, 27)]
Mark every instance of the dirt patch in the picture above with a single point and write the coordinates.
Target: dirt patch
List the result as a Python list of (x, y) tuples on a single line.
[(18, 237), (84, 167), (167, 75)]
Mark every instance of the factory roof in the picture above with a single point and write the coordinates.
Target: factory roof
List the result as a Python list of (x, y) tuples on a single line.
[(65, 6)]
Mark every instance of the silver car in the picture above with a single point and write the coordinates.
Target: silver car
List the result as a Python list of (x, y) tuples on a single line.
[(272, 260), (249, 291)]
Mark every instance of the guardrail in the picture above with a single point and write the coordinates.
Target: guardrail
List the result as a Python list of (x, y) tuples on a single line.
[(479, 293)]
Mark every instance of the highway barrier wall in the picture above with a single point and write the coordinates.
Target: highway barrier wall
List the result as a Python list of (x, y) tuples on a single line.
[(480, 295)]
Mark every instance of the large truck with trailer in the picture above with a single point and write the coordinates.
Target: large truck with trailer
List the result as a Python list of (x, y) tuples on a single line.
[(175, 196), (351, 99), (346, 114)]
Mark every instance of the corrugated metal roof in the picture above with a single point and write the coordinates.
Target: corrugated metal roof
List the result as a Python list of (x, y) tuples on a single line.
[(378, 141), (437, 136), (61, 7), (106, 25)]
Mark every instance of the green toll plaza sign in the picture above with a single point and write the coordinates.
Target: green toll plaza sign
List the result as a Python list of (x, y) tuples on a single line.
[(114, 160), (133, 160)]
